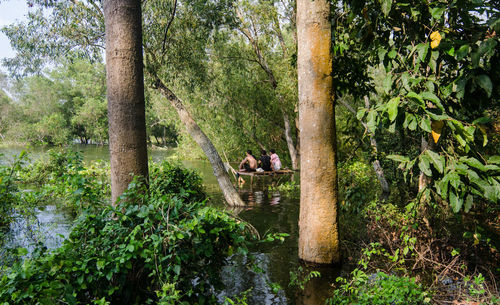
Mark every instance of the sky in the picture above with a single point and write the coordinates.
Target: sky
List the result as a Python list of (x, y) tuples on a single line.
[(10, 12)]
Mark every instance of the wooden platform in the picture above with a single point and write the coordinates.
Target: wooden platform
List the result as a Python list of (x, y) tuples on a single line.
[(270, 173)]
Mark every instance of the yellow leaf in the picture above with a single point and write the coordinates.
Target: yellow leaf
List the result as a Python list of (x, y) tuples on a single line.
[(436, 39), (437, 127)]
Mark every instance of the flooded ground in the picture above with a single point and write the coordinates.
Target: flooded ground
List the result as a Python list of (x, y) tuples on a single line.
[(268, 211)]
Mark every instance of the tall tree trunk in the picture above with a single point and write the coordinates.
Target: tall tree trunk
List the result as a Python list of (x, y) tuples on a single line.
[(230, 194), (294, 155), (125, 93), (318, 228)]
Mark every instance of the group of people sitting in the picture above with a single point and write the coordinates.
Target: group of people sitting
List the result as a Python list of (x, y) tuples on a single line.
[(265, 162)]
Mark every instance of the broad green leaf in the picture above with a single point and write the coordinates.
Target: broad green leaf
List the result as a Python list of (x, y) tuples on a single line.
[(414, 95), (442, 186), (410, 121), (387, 84), (482, 120), (413, 123), (386, 6), (437, 160), (392, 54), (474, 163), (492, 167), (484, 82), (494, 160), (422, 49), (424, 165), (392, 108), (398, 158), (468, 203), (454, 180), (462, 52), (437, 117), (425, 124), (433, 98), (361, 113), (455, 202), (371, 120), (437, 12)]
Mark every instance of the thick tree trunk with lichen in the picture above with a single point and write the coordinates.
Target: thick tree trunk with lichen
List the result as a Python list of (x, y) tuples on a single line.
[(318, 228), (125, 93), (230, 194)]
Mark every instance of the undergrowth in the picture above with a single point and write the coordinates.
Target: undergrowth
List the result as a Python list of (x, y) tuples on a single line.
[(160, 244)]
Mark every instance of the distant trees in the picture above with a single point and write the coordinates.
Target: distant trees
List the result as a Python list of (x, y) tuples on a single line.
[(64, 104)]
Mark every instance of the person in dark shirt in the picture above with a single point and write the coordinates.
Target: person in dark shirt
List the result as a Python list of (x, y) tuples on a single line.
[(265, 161)]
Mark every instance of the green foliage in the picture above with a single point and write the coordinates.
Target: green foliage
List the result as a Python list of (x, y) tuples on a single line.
[(67, 103), (150, 248), (379, 288), (288, 189), (63, 178), (9, 191), (301, 277), (357, 186), (431, 80)]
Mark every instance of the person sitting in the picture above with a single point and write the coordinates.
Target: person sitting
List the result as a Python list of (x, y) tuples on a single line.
[(275, 161), (265, 161), (249, 164)]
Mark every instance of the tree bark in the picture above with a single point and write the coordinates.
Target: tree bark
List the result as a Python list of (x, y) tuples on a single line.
[(230, 194), (289, 141), (318, 228), (125, 93), (423, 179)]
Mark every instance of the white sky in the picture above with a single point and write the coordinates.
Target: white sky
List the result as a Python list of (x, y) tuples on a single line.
[(10, 12)]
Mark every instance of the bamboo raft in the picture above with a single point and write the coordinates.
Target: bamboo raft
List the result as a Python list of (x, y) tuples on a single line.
[(236, 173), (269, 173)]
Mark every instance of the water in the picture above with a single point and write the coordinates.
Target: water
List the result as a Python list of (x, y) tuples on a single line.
[(268, 211)]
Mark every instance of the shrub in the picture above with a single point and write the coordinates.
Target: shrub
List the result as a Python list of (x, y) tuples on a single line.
[(162, 243), (357, 186), (378, 288)]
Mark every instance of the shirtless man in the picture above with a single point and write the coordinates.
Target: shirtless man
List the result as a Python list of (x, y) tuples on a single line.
[(248, 164)]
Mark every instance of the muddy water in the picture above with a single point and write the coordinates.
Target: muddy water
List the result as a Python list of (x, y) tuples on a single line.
[(268, 211)]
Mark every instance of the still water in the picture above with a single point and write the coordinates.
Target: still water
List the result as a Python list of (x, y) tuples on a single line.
[(268, 211)]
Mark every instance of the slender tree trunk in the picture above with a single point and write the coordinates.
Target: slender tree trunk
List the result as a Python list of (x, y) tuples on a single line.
[(318, 228), (230, 194), (125, 93), (379, 171), (423, 179), (294, 155)]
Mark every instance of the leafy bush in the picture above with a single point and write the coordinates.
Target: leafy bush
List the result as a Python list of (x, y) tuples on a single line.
[(62, 177), (8, 189), (358, 185), (158, 244), (379, 288)]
